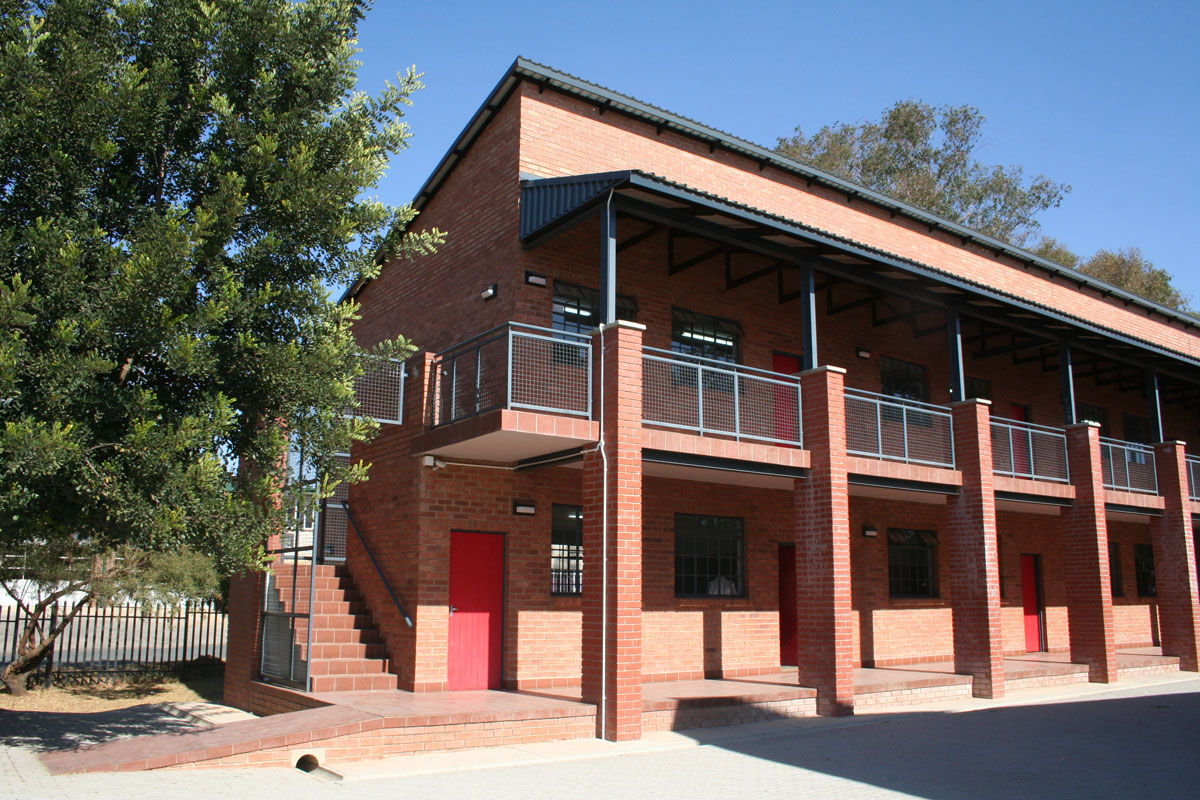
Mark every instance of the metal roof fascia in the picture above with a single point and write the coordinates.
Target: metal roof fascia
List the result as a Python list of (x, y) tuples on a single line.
[(615, 100), (645, 182)]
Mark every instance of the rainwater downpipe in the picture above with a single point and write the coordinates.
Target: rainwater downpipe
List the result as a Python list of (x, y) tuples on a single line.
[(609, 313)]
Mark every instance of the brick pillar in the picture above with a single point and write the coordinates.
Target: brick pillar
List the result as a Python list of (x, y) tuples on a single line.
[(1085, 558), (823, 614), (243, 651), (612, 625), (973, 552), (1175, 559)]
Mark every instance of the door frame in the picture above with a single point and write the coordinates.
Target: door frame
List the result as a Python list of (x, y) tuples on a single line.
[(1041, 599), (780, 546), (503, 596)]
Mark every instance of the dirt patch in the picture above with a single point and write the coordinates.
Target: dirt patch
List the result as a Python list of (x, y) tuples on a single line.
[(111, 696)]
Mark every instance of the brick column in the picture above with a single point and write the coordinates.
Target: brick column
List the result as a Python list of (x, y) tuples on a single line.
[(612, 621), (823, 615), (973, 553), (243, 651), (1085, 558), (1175, 559)]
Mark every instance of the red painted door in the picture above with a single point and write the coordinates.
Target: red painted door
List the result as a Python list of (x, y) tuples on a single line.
[(476, 610), (787, 400), (1031, 601), (1022, 454), (787, 605)]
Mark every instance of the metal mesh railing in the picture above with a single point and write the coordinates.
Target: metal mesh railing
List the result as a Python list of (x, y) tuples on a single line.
[(716, 398), (286, 608), (1024, 450), (380, 392), (514, 366), (1128, 466), (1193, 470), (890, 428)]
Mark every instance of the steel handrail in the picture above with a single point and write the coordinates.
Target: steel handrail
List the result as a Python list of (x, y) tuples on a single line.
[(717, 364), (345, 506), (1044, 430), (1128, 447), (508, 325)]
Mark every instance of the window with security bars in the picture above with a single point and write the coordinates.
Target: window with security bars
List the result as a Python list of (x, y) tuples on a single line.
[(903, 379), (980, 388), (912, 563), (1086, 412), (566, 549), (1114, 569), (1143, 565), (695, 334), (577, 308), (709, 556)]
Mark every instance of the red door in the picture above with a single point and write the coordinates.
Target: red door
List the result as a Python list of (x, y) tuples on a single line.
[(787, 400), (476, 610), (1022, 455), (787, 605), (1031, 601)]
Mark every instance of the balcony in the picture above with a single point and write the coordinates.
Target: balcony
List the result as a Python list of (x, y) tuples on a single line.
[(1028, 451), (716, 398), (512, 393), (894, 429), (1193, 471), (1128, 467)]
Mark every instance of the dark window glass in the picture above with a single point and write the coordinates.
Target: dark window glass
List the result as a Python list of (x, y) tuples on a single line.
[(577, 308), (1086, 412), (566, 549), (695, 334), (1137, 429), (1114, 569), (912, 563), (1143, 565), (709, 555), (979, 387), (903, 379)]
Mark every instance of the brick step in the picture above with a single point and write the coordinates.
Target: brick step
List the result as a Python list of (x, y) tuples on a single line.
[(328, 621), (322, 650), (345, 636), (284, 581), (333, 607), (355, 683), (348, 666), (322, 595)]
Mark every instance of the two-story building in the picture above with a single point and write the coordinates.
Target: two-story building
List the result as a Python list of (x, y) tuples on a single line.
[(689, 410)]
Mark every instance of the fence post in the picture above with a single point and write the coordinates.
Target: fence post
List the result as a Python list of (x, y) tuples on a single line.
[(50, 652)]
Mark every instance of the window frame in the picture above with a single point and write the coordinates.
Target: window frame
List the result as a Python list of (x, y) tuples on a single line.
[(1143, 567), (889, 369), (561, 528), (928, 547), (703, 326), (586, 301), (689, 543)]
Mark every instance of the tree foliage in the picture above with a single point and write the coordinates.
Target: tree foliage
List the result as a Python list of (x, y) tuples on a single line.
[(1126, 268), (179, 182), (926, 156)]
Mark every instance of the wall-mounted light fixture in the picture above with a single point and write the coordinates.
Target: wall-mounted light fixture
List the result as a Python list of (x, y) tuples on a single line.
[(489, 292), (433, 463), (524, 507), (533, 279), (862, 352), (870, 530)]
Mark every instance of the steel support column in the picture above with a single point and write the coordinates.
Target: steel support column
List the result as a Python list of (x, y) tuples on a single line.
[(1155, 402), (958, 386), (808, 319), (608, 262), (1067, 382)]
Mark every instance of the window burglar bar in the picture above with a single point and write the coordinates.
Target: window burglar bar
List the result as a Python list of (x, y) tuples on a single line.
[(1193, 470), (514, 366), (1024, 450), (878, 426), (713, 397), (1128, 466)]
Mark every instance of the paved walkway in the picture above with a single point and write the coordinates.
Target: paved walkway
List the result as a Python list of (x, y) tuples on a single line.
[(1133, 739)]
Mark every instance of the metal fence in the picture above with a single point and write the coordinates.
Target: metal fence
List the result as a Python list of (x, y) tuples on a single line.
[(1193, 470), (514, 366), (1128, 466), (380, 392), (125, 641), (287, 594), (717, 398), (1024, 450), (878, 426)]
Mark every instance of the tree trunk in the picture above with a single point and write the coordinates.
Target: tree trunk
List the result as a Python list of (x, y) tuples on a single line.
[(16, 673)]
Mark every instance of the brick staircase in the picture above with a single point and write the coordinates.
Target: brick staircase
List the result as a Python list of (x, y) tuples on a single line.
[(347, 653)]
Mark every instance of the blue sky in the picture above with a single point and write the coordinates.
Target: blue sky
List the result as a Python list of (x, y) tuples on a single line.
[(1104, 96)]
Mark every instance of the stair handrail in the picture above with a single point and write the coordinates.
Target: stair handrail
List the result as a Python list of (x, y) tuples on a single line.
[(345, 506)]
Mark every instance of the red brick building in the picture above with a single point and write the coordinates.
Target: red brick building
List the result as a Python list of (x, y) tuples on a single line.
[(686, 409)]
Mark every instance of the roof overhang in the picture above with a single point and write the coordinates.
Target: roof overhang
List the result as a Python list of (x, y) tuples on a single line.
[(550, 206)]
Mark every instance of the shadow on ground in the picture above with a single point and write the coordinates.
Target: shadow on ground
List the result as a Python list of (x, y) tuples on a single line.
[(41, 731)]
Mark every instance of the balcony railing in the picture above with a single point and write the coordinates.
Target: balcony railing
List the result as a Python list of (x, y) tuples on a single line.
[(380, 392), (1193, 471), (514, 366), (890, 428), (715, 398), (1024, 450), (1128, 466)]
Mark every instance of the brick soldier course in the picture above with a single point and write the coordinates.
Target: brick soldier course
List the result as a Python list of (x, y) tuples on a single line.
[(905, 557)]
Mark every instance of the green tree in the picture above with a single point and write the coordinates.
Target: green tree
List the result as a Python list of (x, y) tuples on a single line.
[(179, 182), (925, 156), (1126, 268), (1056, 251)]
